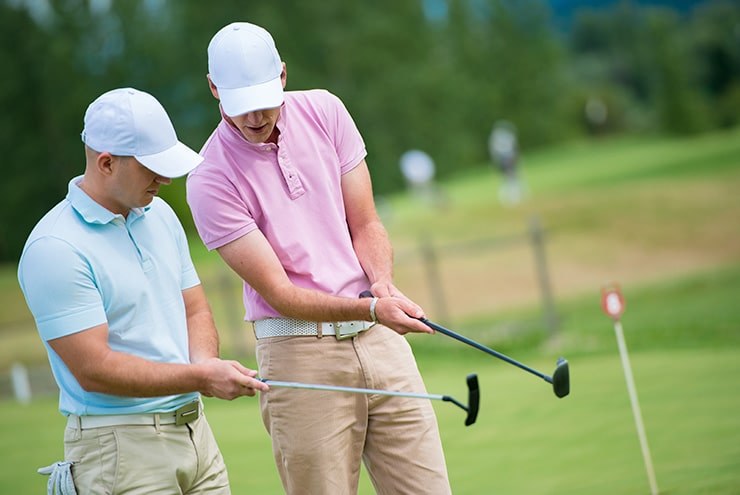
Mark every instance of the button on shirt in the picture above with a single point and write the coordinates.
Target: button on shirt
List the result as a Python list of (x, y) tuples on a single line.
[(83, 266), (290, 191)]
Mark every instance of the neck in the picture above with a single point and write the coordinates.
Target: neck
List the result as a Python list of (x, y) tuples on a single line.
[(274, 136), (88, 186)]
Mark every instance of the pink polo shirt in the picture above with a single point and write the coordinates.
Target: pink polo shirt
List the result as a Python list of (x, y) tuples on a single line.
[(291, 192)]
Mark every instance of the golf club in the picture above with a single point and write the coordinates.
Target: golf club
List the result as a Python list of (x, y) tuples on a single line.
[(560, 379), (471, 408)]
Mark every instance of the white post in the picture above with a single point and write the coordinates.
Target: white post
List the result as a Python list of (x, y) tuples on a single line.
[(21, 383), (635, 407)]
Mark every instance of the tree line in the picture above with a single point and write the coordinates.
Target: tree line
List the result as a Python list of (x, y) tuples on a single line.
[(411, 80)]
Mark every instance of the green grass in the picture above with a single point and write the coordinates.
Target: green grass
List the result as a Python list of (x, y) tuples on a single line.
[(683, 342), (592, 172), (696, 310), (633, 210), (528, 441), (525, 441), (658, 216)]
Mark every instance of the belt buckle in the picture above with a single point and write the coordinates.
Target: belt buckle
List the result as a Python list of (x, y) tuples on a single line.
[(187, 413), (338, 325)]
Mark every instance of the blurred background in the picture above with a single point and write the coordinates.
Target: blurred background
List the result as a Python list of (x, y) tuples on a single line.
[(524, 154), (428, 74)]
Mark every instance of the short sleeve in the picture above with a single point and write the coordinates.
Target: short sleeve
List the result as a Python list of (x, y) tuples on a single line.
[(59, 288), (219, 212), (347, 138)]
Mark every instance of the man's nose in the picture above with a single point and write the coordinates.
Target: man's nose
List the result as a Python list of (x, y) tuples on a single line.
[(254, 117)]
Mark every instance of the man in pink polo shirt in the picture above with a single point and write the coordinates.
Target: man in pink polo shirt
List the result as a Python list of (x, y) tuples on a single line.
[(284, 196)]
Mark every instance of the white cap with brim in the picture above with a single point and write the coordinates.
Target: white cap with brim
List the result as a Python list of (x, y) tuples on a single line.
[(129, 122), (245, 67)]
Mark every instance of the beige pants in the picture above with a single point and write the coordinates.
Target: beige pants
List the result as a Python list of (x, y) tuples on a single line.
[(320, 438), (133, 460)]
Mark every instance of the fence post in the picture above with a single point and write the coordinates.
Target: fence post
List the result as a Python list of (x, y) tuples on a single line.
[(538, 245), (21, 383), (431, 267)]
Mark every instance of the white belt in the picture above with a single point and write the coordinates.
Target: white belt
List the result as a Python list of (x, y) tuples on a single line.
[(185, 414), (286, 327)]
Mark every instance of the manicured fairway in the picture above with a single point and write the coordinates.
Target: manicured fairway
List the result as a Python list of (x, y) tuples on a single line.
[(657, 215), (525, 441)]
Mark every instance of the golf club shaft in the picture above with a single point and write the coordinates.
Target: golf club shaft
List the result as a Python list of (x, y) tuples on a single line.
[(475, 344), (471, 408), (334, 388), (485, 349)]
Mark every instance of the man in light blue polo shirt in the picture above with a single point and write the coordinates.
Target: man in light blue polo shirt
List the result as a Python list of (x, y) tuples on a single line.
[(128, 330)]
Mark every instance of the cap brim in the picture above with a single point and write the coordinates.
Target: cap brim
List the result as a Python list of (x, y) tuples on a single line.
[(173, 162), (239, 101)]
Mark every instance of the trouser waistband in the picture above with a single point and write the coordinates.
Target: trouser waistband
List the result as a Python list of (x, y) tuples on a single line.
[(183, 415)]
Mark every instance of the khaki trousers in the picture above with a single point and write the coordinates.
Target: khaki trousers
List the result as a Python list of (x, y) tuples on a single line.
[(130, 460), (320, 438)]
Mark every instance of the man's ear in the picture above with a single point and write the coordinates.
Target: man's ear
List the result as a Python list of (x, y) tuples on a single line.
[(284, 75), (104, 163)]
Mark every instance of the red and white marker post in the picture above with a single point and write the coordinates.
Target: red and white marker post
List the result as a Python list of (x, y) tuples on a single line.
[(613, 304)]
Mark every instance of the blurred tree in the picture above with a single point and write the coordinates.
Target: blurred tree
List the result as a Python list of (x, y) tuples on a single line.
[(716, 41), (676, 74), (26, 173), (40, 124), (411, 80), (609, 56), (515, 65), (672, 80)]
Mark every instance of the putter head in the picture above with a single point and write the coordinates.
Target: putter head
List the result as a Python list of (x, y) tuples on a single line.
[(473, 399), (561, 379)]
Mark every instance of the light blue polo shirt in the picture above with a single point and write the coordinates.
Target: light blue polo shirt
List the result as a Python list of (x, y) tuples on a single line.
[(83, 266)]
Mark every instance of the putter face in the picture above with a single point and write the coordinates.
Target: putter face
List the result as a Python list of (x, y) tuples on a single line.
[(561, 379), (473, 399)]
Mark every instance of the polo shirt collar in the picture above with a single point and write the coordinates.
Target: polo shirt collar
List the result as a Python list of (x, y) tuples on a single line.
[(91, 211)]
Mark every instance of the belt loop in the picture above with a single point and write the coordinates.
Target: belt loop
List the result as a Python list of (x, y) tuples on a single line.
[(319, 330), (78, 427), (156, 423)]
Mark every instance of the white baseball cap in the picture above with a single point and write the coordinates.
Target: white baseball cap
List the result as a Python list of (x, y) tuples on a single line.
[(129, 122), (245, 67)]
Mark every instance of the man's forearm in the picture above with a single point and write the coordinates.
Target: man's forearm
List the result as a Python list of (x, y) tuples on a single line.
[(202, 333), (374, 251), (203, 340), (131, 376)]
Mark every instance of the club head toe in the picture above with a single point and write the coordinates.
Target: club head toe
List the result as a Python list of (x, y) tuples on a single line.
[(561, 379)]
